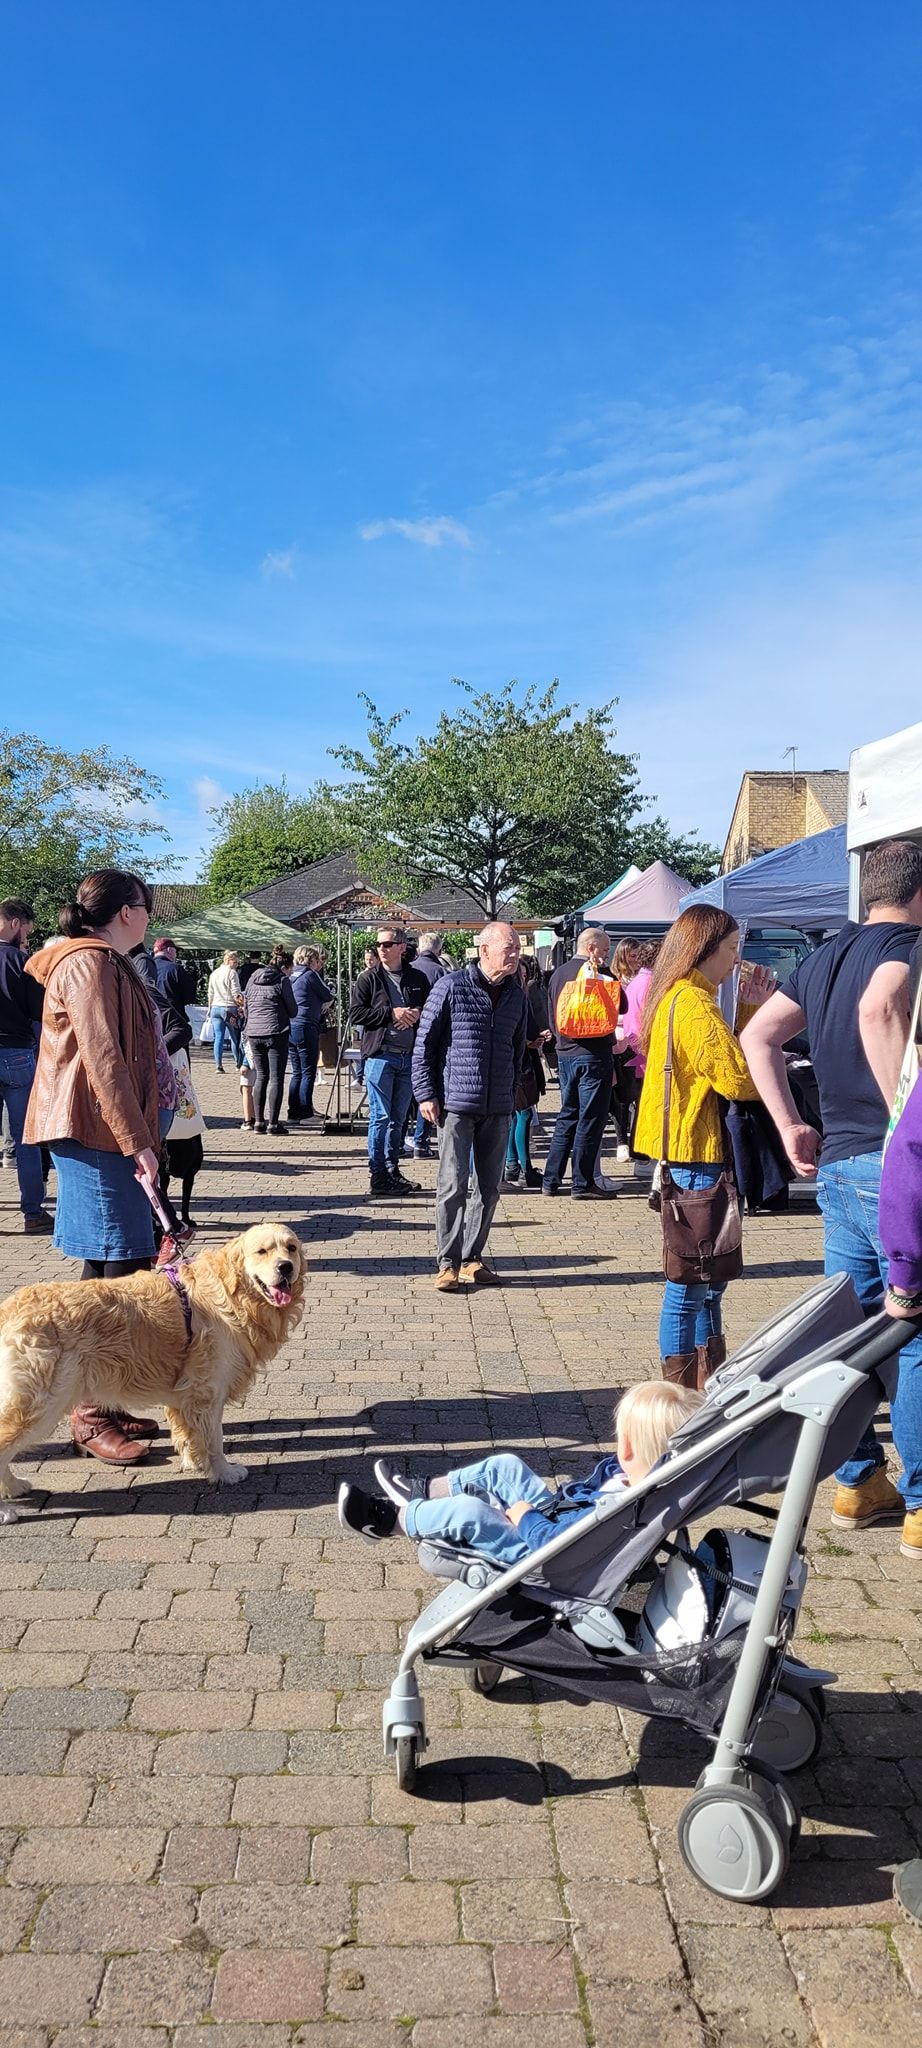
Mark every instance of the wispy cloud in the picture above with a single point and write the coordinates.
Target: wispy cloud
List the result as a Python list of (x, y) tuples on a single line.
[(279, 564), (427, 533), (209, 794)]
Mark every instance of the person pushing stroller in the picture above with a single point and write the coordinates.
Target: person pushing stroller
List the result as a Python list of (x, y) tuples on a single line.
[(498, 1505)]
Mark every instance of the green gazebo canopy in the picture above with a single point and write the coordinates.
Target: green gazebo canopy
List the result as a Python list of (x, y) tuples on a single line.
[(237, 924)]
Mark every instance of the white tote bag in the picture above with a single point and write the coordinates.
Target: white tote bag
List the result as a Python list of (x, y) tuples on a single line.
[(909, 1071), (206, 1035)]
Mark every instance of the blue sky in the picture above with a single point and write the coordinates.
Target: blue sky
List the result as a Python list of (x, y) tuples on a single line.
[(356, 347)]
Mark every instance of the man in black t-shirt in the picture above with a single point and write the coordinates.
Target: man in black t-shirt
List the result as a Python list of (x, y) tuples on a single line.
[(853, 996)]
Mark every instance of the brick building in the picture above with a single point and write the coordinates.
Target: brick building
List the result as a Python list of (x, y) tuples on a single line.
[(774, 808)]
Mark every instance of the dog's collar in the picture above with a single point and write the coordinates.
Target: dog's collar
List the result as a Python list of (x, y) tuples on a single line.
[(170, 1273)]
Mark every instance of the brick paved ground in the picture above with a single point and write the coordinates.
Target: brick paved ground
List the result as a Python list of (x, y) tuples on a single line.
[(197, 1828)]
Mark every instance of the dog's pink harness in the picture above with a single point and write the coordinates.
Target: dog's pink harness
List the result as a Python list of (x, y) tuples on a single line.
[(170, 1273)]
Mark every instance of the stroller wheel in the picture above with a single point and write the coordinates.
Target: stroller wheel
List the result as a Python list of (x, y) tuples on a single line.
[(790, 1733), (483, 1677), (405, 1753), (736, 1839)]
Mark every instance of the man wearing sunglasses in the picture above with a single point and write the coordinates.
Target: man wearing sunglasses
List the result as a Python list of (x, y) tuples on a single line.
[(386, 1004)]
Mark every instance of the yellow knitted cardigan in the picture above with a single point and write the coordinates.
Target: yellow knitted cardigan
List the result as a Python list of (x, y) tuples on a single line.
[(707, 1061)]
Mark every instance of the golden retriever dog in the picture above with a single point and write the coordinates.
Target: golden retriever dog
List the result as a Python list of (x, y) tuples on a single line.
[(124, 1344)]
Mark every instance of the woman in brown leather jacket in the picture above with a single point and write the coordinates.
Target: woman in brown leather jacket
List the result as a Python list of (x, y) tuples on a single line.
[(94, 1104)]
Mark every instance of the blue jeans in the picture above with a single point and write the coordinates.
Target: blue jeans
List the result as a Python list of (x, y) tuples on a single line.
[(585, 1093), (390, 1092), (423, 1135), (226, 1024), (848, 1191), (691, 1312), (471, 1516), (304, 1052), (17, 1073)]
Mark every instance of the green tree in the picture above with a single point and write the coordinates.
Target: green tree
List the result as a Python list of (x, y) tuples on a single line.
[(690, 856), (513, 796), (62, 815), (266, 832)]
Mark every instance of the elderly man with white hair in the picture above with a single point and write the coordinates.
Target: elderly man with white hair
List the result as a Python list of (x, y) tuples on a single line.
[(466, 1066)]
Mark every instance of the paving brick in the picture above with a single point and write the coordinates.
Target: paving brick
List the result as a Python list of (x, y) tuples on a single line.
[(407, 1912), (233, 1674), (50, 1637), (622, 1930), (278, 1986), (48, 1987), (852, 1986), (200, 1855), (523, 1909), (227, 2035), (743, 1984), (153, 1988), (35, 1670), (474, 1851), (341, 2034), (648, 2016), (106, 1917), (367, 1854), (286, 1916), (385, 1983), (603, 1838), (147, 1674), (497, 2032), (300, 1802), (533, 1978), (191, 1638), (166, 1711), (111, 1753), (162, 1802), (226, 1753), (63, 1707), (86, 1856), (21, 1749), (31, 1802), (296, 1710), (16, 1911)]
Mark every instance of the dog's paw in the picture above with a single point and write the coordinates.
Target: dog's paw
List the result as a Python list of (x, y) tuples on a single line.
[(231, 1473), (13, 1488)]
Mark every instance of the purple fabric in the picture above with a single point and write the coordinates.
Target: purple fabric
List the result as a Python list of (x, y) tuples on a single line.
[(900, 1216)]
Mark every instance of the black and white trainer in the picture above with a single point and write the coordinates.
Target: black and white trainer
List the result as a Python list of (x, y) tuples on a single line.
[(363, 1514), (400, 1487)]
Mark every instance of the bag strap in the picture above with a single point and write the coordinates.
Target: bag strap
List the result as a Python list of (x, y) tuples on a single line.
[(667, 1083)]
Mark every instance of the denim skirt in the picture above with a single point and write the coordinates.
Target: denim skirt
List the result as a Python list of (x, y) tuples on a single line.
[(102, 1211)]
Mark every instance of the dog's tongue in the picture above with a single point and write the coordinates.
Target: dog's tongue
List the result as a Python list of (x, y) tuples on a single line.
[(281, 1296)]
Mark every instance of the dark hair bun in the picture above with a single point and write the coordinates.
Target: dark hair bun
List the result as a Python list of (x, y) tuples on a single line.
[(71, 921)]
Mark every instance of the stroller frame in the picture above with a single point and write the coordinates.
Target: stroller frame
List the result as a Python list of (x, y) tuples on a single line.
[(741, 1821)]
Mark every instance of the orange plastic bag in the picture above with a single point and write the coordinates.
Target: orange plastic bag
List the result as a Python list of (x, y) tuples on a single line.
[(588, 1006)]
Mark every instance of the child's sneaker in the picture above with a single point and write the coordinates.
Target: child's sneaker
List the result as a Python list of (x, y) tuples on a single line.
[(364, 1515), (400, 1487)]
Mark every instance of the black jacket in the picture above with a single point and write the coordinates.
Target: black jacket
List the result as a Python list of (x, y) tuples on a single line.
[(176, 985), (268, 1003), (21, 998), (371, 1007)]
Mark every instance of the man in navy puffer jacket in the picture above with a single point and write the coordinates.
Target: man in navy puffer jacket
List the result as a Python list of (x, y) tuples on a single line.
[(466, 1066)]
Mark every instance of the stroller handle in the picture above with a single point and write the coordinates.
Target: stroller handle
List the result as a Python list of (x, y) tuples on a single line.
[(881, 1337)]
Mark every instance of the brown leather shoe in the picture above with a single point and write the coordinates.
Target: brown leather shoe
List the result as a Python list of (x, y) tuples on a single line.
[(110, 1437), (480, 1275), (446, 1280), (710, 1356), (39, 1225), (681, 1368)]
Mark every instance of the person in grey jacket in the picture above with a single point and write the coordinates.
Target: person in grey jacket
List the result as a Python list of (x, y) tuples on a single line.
[(466, 1067), (268, 1007)]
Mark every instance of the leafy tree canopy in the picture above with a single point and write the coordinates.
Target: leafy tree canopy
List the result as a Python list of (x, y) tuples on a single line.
[(513, 796), (62, 815), (266, 832)]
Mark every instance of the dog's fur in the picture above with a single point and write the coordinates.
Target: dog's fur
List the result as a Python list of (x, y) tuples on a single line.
[(122, 1344)]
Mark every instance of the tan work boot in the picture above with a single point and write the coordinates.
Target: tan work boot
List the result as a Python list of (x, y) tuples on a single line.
[(911, 1539), (681, 1368), (446, 1280), (875, 1500), (710, 1356), (480, 1275)]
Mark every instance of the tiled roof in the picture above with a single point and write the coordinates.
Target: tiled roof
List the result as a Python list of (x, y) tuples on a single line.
[(311, 890), (172, 900), (830, 788)]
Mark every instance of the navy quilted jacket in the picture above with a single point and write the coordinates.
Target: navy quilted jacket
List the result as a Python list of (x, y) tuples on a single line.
[(468, 1055)]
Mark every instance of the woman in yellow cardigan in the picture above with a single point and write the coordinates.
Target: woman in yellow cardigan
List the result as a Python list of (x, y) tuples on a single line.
[(697, 955)]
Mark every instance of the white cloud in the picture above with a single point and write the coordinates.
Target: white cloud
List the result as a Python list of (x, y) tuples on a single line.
[(280, 564), (209, 793), (427, 533)]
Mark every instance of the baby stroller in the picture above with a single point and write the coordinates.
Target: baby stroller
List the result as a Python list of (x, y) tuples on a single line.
[(595, 1612)]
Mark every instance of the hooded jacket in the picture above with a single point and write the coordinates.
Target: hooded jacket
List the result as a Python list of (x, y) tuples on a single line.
[(96, 1077)]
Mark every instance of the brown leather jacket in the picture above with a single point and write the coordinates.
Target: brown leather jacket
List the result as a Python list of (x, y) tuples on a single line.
[(96, 1078)]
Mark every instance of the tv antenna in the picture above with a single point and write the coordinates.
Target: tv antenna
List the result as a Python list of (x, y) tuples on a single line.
[(791, 752)]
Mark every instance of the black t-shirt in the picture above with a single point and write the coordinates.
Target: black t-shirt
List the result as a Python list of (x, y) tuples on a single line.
[(561, 975), (828, 987)]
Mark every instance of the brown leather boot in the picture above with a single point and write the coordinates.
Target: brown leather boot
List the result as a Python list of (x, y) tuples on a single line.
[(96, 1433), (681, 1368), (710, 1356)]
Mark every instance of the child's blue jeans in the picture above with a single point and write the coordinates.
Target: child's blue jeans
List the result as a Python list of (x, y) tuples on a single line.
[(471, 1516)]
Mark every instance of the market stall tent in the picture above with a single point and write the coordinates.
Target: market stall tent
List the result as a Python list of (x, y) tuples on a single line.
[(222, 926), (804, 885), (631, 874), (651, 898)]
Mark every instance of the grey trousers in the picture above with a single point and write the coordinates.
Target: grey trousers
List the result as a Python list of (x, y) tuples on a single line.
[(462, 1221)]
